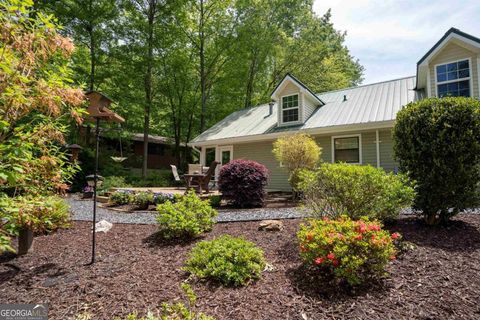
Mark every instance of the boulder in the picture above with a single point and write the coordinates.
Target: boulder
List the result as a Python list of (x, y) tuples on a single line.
[(271, 225), (103, 226)]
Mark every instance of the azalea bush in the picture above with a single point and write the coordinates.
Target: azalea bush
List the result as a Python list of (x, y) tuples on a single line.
[(143, 199), (349, 250), (228, 260), (336, 189), (297, 152), (189, 217), (437, 144), (243, 182)]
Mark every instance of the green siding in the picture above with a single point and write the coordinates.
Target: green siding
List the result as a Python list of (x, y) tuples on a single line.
[(278, 180)]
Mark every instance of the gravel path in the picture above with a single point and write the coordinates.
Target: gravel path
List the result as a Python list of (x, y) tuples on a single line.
[(82, 211)]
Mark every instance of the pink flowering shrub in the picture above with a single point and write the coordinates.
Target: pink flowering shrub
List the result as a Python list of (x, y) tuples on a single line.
[(243, 182), (350, 250)]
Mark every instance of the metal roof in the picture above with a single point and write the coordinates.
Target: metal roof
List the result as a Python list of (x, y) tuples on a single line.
[(377, 102)]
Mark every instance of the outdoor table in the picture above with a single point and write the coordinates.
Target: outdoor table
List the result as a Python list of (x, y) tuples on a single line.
[(189, 178)]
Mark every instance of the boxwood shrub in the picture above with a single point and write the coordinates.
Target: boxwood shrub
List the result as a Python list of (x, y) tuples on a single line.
[(228, 260), (189, 217), (243, 182), (437, 143), (343, 189)]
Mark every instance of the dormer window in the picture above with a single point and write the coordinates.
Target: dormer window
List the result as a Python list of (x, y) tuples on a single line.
[(290, 108), (453, 79)]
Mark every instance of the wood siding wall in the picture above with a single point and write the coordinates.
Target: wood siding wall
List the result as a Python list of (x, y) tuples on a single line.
[(262, 153), (454, 52)]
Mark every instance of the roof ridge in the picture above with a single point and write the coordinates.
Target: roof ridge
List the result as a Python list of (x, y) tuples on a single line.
[(365, 85)]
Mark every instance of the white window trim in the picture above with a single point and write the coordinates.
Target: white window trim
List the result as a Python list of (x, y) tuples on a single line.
[(470, 79), (360, 155), (298, 107)]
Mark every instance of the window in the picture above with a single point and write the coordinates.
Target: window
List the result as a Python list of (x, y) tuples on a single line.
[(346, 149), (209, 156), (156, 149), (290, 108), (453, 79)]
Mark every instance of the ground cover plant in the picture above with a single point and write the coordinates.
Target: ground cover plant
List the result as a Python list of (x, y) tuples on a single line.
[(243, 182), (189, 217), (336, 189), (121, 197), (437, 143), (228, 260), (354, 251), (143, 199), (296, 153)]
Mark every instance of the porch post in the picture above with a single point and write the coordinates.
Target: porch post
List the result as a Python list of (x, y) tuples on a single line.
[(377, 141)]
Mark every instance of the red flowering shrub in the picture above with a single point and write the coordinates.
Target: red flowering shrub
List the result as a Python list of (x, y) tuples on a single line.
[(242, 182), (350, 250)]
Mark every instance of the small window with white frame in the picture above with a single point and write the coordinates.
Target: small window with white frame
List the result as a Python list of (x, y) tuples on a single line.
[(290, 108), (347, 149), (453, 79)]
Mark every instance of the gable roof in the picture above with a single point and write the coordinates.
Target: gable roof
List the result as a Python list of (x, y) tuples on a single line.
[(373, 104), (290, 77), (452, 33)]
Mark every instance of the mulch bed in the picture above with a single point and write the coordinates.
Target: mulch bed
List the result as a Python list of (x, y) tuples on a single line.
[(440, 279)]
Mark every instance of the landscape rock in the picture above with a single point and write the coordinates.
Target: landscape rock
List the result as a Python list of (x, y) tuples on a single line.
[(103, 226), (271, 225)]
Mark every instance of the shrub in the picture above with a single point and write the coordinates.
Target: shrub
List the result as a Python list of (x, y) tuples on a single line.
[(242, 182), (177, 311), (188, 217), (343, 189), (143, 199), (354, 251), (121, 197), (229, 260), (437, 143), (113, 182), (297, 152), (215, 201), (161, 178)]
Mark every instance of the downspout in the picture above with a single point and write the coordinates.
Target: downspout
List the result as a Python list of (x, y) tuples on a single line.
[(377, 141)]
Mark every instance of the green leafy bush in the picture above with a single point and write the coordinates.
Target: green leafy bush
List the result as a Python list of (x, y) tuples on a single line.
[(121, 197), (143, 199), (177, 311), (161, 178), (188, 217), (113, 182), (229, 260), (344, 189), (215, 201), (437, 143), (349, 250)]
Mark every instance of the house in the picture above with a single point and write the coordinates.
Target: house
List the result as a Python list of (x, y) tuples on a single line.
[(352, 125)]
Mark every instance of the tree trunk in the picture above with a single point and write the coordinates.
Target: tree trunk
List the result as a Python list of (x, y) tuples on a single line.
[(251, 77), (203, 82), (25, 241), (148, 85)]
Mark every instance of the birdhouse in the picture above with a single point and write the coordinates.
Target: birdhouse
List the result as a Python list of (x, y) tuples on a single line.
[(98, 107)]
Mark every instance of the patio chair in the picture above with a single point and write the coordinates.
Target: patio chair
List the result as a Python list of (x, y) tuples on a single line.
[(176, 176), (202, 183)]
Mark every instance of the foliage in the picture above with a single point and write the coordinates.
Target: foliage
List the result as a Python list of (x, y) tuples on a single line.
[(121, 197), (437, 143), (177, 311), (343, 189), (40, 213), (113, 182), (349, 250), (297, 152), (162, 197), (153, 179), (215, 200), (229, 260), (188, 217), (243, 182), (37, 100), (143, 199)]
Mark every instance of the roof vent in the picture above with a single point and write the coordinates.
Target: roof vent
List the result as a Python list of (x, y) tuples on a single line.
[(344, 97), (270, 107)]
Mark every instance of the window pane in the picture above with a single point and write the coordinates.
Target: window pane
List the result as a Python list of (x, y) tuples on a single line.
[(347, 150), (463, 64), (452, 75), (442, 69), (454, 89), (225, 157), (464, 73), (441, 77), (452, 67), (290, 115), (209, 156), (290, 102), (464, 85)]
